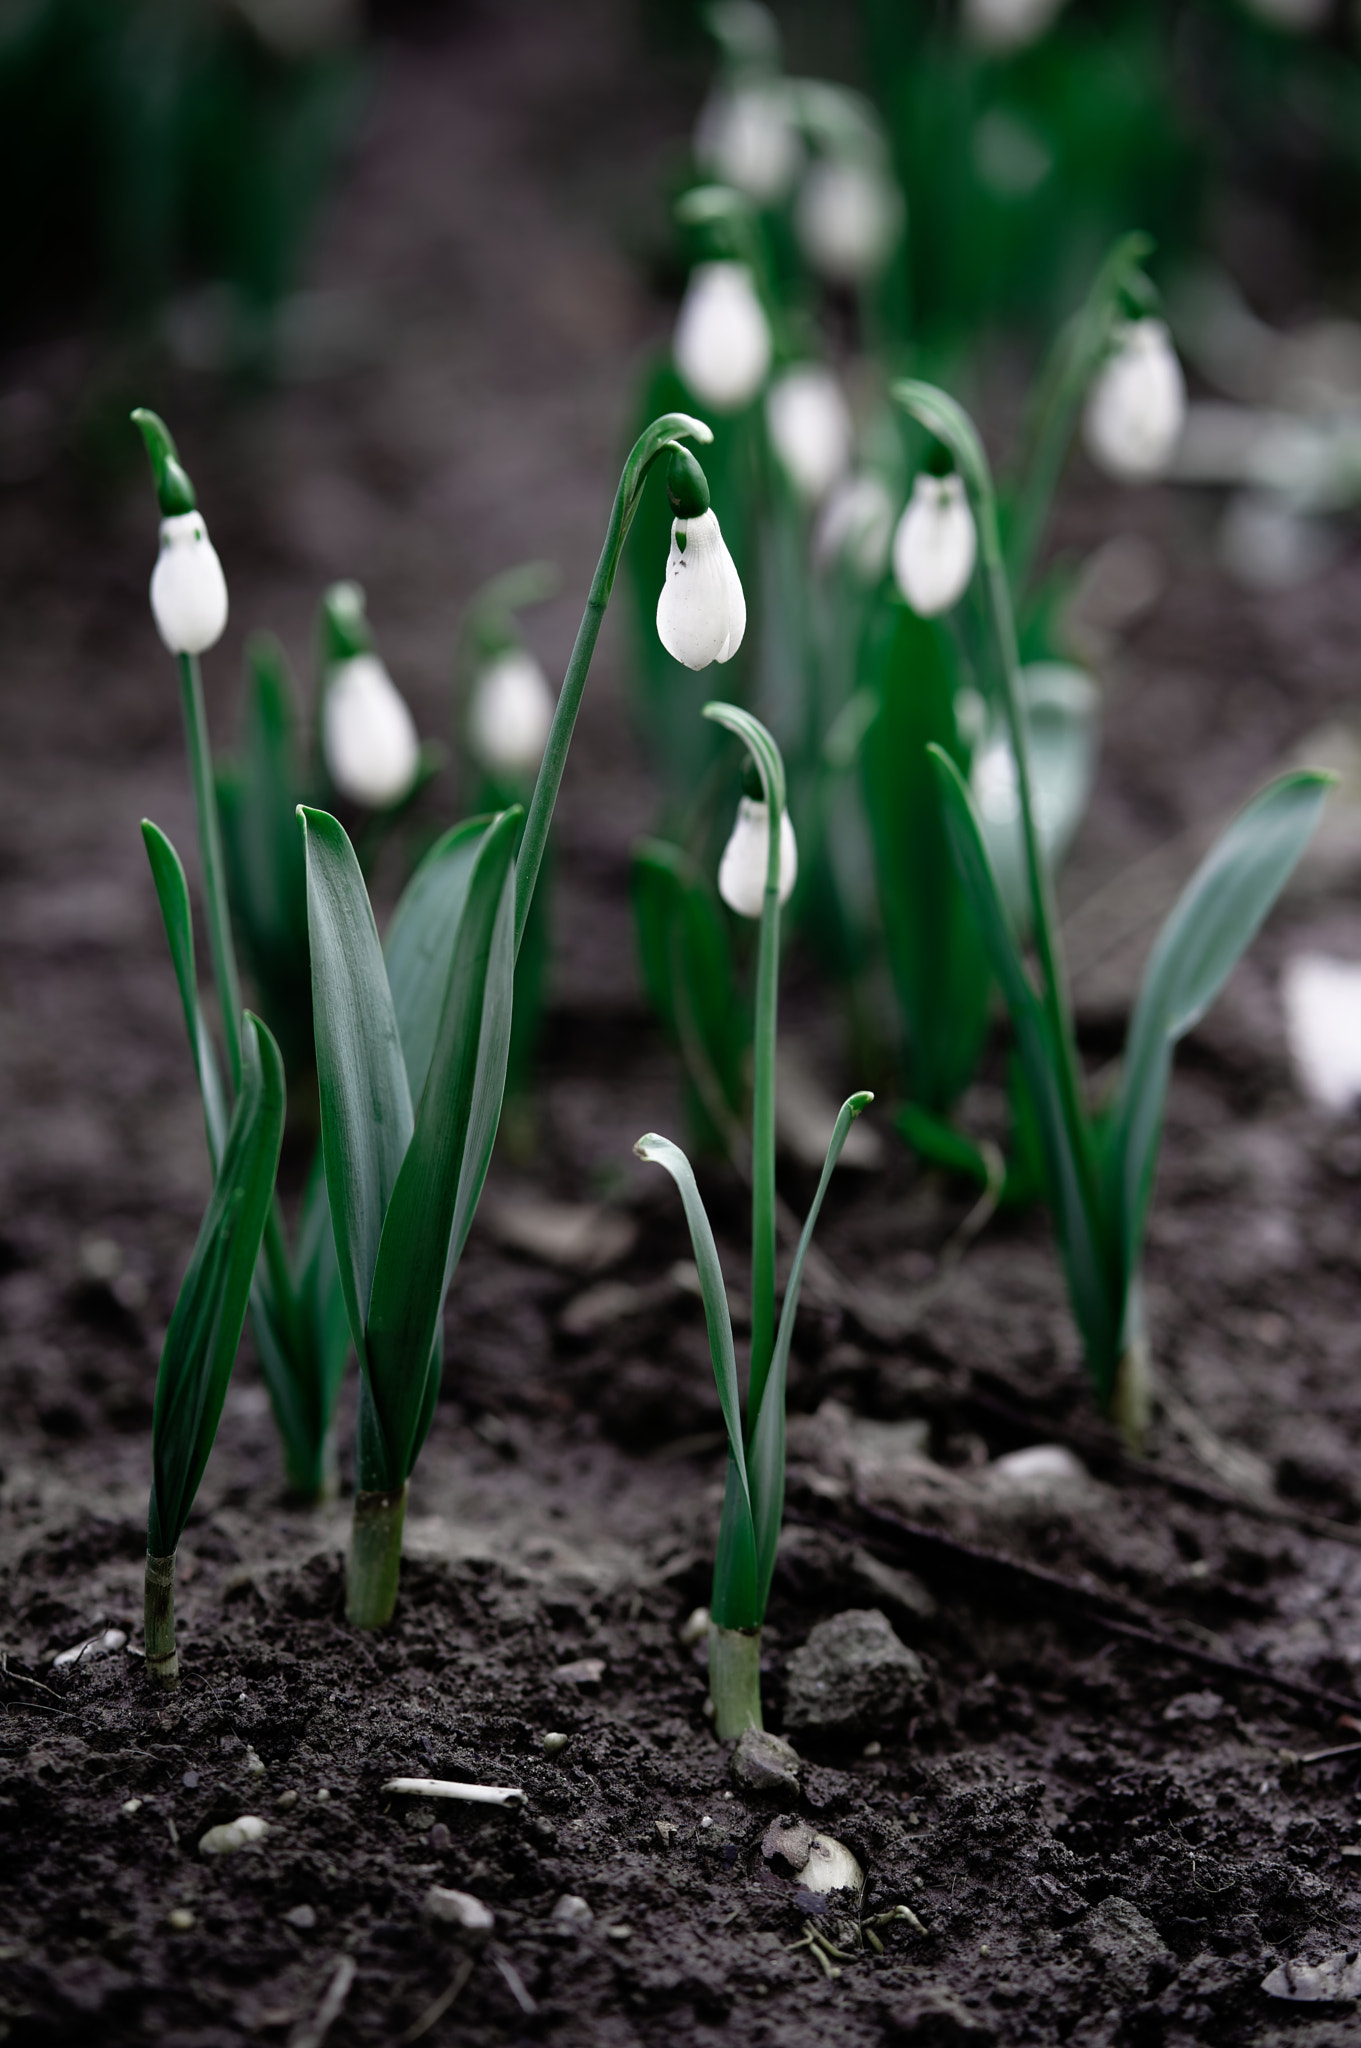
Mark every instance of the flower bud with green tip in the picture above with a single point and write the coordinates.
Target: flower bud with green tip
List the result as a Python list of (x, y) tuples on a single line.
[(722, 343), (746, 857), (510, 714), (701, 612), (810, 428), (188, 588), (368, 736), (1137, 406), (935, 545)]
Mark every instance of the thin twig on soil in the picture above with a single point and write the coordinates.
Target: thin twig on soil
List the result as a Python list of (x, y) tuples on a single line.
[(1087, 1603), (23, 1678), (311, 2033), (437, 2007)]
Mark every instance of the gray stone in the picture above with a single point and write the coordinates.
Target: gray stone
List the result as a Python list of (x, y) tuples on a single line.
[(765, 1763), (460, 1910), (852, 1676), (1126, 1945)]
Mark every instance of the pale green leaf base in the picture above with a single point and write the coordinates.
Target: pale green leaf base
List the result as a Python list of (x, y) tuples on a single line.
[(735, 1680), (375, 1561), (162, 1656)]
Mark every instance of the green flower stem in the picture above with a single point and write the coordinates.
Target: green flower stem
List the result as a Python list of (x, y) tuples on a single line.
[(375, 1559), (735, 1680), (662, 434), (162, 1656), (763, 1127), (210, 852)]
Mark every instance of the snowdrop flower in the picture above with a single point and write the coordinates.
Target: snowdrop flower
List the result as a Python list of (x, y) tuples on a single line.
[(1001, 25), (368, 735), (810, 427), (722, 340), (848, 216), (935, 545), (748, 139), (510, 714), (1137, 406), (742, 870), (188, 588), (1322, 1000), (701, 613), (1299, 16), (857, 522)]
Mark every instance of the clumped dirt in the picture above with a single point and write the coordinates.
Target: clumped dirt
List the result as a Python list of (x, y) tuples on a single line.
[(1103, 1810)]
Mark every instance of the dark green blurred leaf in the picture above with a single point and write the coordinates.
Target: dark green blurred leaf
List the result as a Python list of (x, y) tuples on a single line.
[(172, 893)]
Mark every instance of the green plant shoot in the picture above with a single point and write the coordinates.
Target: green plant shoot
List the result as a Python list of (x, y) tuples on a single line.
[(1099, 1167), (753, 1503)]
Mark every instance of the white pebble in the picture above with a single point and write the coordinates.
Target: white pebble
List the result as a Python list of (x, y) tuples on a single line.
[(232, 1835)]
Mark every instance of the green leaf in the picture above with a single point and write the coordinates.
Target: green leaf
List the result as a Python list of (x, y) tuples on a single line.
[(172, 893), (940, 1144), (735, 1604), (420, 942), (205, 1328), (1214, 920), (1093, 1282), (766, 1430), (939, 967), (366, 1119), (432, 1205)]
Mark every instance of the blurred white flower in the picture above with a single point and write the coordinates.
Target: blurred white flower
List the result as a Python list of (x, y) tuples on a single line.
[(935, 545), (1001, 25), (1297, 15), (848, 216), (510, 714), (1137, 405), (368, 735), (748, 139), (742, 870), (722, 339), (856, 522), (701, 613), (810, 427), (1322, 999), (188, 588)]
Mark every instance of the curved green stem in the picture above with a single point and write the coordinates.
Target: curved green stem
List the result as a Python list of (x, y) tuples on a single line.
[(661, 434), (210, 852)]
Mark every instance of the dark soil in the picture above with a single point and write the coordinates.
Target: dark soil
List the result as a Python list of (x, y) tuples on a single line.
[(1106, 1836)]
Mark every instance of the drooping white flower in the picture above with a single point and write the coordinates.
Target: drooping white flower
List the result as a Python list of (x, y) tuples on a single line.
[(368, 735), (742, 870), (188, 588), (1322, 998), (935, 545), (722, 339), (1001, 25), (749, 140), (510, 714), (810, 427), (1299, 16), (856, 522), (701, 612), (848, 215), (1137, 405)]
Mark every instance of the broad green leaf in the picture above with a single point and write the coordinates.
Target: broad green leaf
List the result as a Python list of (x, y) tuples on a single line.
[(736, 1568), (936, 958), (366, 1119), (172, 893), (432, 1205), (766, 1429), (205, 1328), (1093, 1282), (1061, 706), (1215, 919), (420, 942), (940, 1144)]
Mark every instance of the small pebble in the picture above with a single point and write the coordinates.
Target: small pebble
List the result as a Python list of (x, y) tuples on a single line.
[(554, 1744), (985, 1949), (765, 1763), (190, 1781), (255, 1767), (180, 1918), (102, 1645), (440, 1837), (323, 1792), (459, 1909), (571, 1911), (695, 1627), (706, 1822), (232, 1835), (132, 1806), (303, 1916), (873, 1749), (620, 1933), (584, 1671), (286, 1801)]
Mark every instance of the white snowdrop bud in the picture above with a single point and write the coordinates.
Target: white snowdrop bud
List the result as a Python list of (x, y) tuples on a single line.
[(368, 735), (848, 216), (722, 339), (701, 613), (1001, 25), (188, 588), (510, 714), (747, 139), (1137, 405), (857, 523), (935, 545), (742, 870), (810, 428)]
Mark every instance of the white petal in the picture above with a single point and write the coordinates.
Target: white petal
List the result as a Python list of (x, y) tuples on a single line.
[(368, 735), (857, 521), (742, 870), (935, 546), (1323, 1027), (722, 339), (701, 612), (848, 217), (188, 588), (510, 714), (749, 140), (1137, 405), (1008, 24), (810, 428)]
